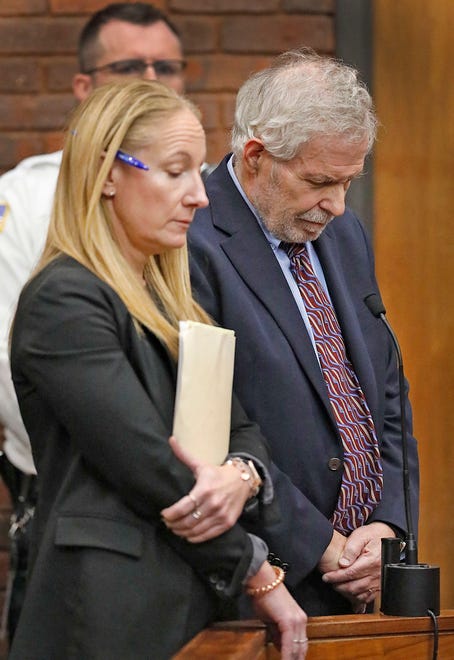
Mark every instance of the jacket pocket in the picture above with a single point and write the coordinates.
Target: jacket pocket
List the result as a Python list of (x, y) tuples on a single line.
[(94, 532)]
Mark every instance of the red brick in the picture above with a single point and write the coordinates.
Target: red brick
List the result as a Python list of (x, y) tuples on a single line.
[(5, 501), (59, 74), (34, 112), (90, 6), (217, 145), (52, 141), (222, 72), (209, 106), (39, 35), (309, 6), (5, 522), (4, 566), (7, 153), (17, 146), (228, 110), (277, 34), (22, 7), (225, 6), (86, 6), (198, 35), (19, 75)]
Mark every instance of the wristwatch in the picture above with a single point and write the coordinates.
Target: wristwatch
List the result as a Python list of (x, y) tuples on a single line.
[(248, 472)]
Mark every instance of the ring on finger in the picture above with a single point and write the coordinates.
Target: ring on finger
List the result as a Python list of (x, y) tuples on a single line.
[(196, 514), (193, 500), (300, 641)]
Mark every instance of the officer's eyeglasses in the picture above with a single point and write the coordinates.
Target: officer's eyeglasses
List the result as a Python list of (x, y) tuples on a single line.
[(137, 68)]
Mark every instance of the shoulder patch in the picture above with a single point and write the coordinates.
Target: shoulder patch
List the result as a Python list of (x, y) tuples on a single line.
[(4, 210)]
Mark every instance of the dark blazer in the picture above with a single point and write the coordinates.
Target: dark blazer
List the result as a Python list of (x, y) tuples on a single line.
[(107, 579), (238, 280)]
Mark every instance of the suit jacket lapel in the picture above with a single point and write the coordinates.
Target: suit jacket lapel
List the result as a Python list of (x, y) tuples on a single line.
[(248, 250)]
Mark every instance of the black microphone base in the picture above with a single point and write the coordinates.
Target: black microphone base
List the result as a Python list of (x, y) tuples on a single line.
[(410, 590)]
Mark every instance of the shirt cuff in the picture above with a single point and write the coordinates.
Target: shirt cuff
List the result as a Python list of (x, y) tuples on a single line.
[(259, 556)]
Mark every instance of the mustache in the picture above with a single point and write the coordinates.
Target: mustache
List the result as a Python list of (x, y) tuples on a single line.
[(317, 216)]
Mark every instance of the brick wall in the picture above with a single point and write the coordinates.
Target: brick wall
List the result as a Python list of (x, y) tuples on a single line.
[(224, 41)]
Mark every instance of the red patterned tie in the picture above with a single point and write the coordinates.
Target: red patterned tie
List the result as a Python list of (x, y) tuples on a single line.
[(362, 479)]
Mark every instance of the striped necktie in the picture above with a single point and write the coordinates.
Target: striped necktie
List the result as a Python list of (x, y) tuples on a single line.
[(362, 479)]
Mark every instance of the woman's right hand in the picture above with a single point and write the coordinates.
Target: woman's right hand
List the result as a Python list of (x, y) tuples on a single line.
[(277, 607)]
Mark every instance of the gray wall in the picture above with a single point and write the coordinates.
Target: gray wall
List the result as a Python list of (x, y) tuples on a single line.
[(354, 46)]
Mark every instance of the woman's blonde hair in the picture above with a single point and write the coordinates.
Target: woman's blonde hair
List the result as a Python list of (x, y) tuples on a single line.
[(118, 116)]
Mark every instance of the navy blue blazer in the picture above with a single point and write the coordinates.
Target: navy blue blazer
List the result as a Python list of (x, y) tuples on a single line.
[(238, 280)]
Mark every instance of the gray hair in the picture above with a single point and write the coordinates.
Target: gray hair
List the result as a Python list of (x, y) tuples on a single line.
[(300, 96)]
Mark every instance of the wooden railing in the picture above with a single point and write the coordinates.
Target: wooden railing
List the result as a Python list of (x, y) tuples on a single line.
[(358, 637)]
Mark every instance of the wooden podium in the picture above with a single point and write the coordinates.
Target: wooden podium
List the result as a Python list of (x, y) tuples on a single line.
[(358, 637)]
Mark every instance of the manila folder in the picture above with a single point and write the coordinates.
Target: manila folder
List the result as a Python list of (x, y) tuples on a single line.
[(203, 400)]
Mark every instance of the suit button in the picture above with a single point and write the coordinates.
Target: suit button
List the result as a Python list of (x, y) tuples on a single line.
[(334, 464)]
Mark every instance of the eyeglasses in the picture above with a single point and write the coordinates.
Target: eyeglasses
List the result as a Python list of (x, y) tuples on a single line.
[(130, 160), (137, 67)]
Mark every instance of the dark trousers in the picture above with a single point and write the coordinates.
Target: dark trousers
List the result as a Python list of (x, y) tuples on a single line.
[(22, 489)]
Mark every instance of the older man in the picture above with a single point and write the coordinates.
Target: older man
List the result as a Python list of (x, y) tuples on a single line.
[(277, 257)]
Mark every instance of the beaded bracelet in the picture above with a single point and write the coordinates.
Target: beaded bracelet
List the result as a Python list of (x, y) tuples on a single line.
[(258, 592)]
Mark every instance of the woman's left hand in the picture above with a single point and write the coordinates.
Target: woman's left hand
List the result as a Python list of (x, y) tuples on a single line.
[(212, 506)]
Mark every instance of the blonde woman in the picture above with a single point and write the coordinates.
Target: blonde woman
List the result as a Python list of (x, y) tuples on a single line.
[(120, 566)]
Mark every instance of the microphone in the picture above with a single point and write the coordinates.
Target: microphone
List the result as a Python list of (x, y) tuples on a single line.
[(409, 588), (375, 305)]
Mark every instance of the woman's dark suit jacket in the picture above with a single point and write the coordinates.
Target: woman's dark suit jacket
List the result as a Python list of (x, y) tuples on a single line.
[(108, 580)]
